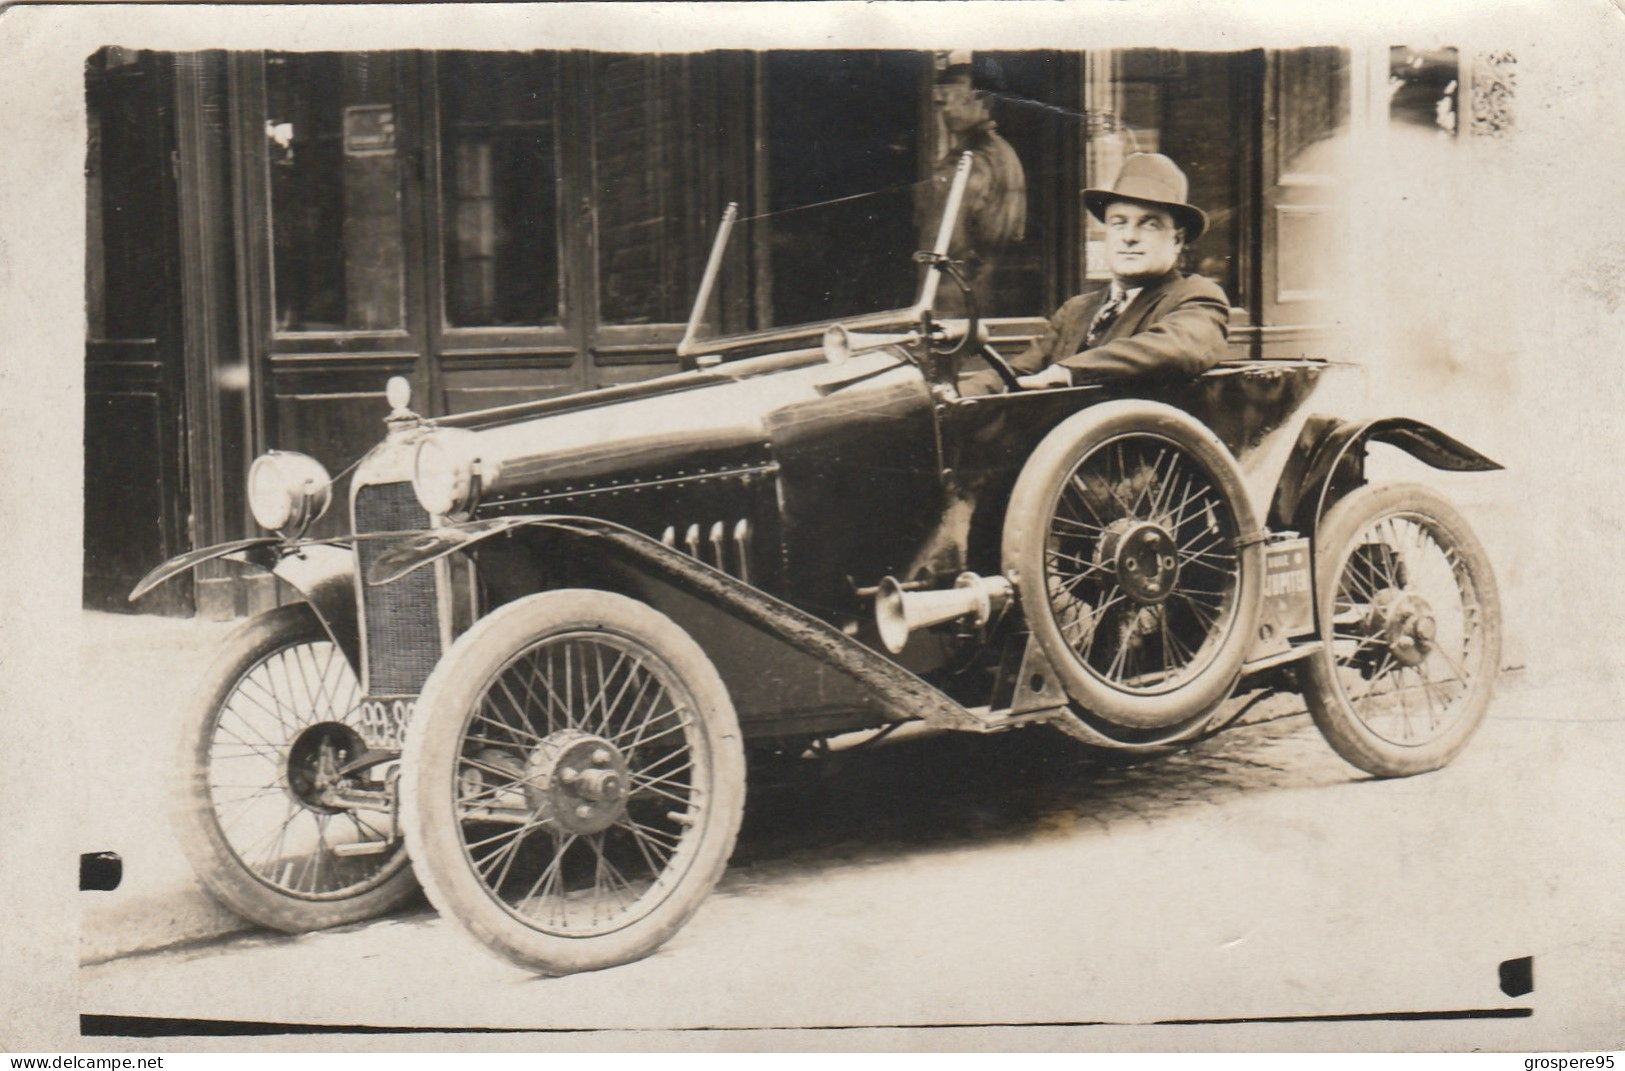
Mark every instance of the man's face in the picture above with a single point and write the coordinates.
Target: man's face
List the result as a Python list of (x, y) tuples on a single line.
[(1141, 242), (961, 108)]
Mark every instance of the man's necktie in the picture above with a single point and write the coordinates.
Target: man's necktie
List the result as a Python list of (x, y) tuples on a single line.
[(1105, 316)]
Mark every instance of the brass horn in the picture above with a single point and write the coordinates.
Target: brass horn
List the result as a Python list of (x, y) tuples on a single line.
[(899, 612), (841, 344)]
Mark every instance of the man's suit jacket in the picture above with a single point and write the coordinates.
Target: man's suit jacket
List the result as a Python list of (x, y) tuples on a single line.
[(1176, 325)]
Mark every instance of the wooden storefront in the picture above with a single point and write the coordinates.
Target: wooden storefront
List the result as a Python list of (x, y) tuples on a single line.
[(274, 235)]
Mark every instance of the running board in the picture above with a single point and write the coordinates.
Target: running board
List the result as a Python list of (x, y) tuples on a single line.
[(988, 720), (1293, 654)]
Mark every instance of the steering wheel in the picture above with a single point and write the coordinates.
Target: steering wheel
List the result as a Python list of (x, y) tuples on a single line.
[(973, 335), (1000, 366)]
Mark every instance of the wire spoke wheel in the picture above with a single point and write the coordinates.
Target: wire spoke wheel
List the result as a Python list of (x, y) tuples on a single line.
[(1411, 626), (579, 776), (578, 791), (1127, 536), (1141, 566), (260, 817)]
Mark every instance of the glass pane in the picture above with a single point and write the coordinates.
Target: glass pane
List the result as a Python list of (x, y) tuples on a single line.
[(1032, 111), (1424, 88), (1194, 108), (1313, 96), (125, 182), (499, 174), (330, 130), (841, 125), (647, 159)]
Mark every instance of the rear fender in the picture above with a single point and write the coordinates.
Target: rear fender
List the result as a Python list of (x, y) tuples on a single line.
[(902, 693), (1328, 446), (322, 571)]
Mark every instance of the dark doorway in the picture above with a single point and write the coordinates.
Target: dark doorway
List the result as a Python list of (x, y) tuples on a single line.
[(135, 494)]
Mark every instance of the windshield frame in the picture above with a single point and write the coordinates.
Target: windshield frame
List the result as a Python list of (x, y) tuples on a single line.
[(693, 345)]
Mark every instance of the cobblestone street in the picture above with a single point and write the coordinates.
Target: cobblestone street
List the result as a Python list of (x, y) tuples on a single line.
[(1253, 875)]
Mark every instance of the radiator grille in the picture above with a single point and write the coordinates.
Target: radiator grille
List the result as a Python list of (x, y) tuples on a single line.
[(399, 619)]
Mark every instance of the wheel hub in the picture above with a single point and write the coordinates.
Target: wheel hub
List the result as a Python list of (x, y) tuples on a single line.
[(1406, 624), (578, 781), (1143, 556), (314, 759)]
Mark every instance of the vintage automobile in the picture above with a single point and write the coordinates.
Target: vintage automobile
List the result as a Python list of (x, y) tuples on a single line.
[(529, 675)]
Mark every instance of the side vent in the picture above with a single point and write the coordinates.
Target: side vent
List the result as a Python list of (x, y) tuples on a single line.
[(716, 545)]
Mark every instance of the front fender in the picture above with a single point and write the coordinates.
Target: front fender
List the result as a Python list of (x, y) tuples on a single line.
[(322, 571), (901, 690), (258, 552), (325, 575), (1326, 443)]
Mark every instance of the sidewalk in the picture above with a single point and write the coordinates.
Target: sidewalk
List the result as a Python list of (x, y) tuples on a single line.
[(136, 674)]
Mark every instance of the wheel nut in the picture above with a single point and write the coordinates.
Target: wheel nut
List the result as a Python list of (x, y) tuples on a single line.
[(568, 775), (583, 811), (600, 756)]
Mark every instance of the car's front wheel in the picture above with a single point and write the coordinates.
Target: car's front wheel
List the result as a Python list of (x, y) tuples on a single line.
[(262, 755), (574, 780), (1411, 625)]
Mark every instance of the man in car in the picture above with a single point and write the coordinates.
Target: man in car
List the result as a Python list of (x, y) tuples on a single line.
[(1151, 319), (994, 214)]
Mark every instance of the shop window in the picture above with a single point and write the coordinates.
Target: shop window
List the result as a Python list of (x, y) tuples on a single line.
[(1312, 97), (1035, 109), (499, 181), (842, 127), (335, 179), (649, 151)]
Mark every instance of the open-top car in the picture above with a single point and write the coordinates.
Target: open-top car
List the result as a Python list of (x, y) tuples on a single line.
[(529, 675)]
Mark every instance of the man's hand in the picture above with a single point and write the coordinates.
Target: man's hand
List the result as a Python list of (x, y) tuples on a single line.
[(1056, 375)]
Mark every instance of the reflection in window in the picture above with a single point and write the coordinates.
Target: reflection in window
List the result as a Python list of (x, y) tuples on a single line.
[(1033, 112), (1195, 108), (1423, 87), (500, 180), (335, 179)]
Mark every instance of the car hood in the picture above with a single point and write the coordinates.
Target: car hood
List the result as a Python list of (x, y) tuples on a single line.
[(676, 427)]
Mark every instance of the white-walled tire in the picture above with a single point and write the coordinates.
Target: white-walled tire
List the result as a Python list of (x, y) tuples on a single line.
[(573, 781)]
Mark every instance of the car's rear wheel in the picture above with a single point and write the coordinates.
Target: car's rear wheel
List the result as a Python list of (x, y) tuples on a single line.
[(276, 718), (1130, 539), (1411, 624), (574, 781)]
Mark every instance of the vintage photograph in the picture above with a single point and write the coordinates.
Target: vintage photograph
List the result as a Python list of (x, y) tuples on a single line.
[(906, 525)]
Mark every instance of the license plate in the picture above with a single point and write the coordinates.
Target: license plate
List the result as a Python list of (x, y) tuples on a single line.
[(384, 719), (1288, 589)]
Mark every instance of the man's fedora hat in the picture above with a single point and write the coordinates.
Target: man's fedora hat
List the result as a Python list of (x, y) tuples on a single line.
[(981, 73), (1151, 178)]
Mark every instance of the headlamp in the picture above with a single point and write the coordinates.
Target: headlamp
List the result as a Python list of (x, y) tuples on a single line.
[(287, 492), (446, 473)]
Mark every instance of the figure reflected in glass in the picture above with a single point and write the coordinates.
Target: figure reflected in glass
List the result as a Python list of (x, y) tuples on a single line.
[(994, 214)]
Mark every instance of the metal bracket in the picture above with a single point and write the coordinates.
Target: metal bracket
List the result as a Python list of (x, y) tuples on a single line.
[(1038, 687)]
